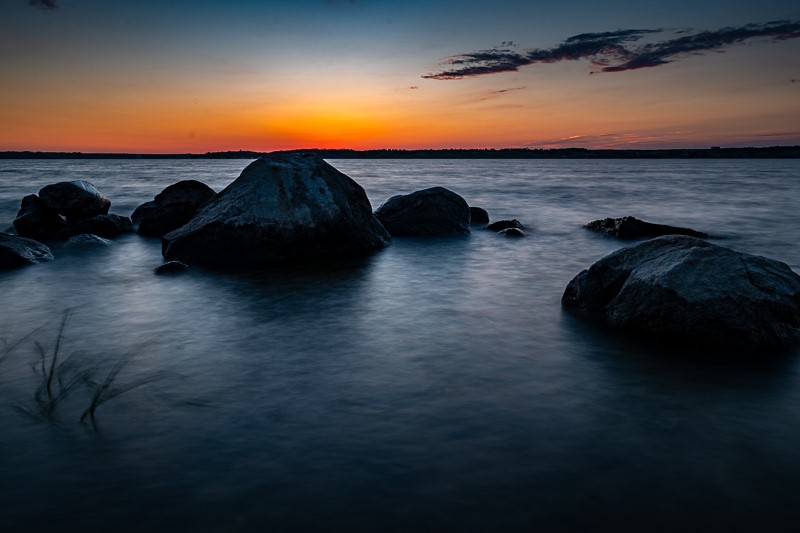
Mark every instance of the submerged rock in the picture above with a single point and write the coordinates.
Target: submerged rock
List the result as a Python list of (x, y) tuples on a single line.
[(171, 208), (684, 288), (281, 207), (633, 228), (86, 240), (478, 215), (20, 251), (434, 211), (37, 221), (106, 226), (501, 225), (512, 232), (75, 200), (171, 267)]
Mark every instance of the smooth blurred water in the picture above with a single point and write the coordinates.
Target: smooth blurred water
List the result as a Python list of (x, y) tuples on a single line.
[(436, 385)]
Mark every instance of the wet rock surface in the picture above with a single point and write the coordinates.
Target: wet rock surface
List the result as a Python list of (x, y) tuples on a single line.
[(428, 212), (18, 251), (685, 289), (282, 207)]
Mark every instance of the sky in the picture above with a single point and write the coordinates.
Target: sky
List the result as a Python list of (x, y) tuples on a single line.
[(147, 76)]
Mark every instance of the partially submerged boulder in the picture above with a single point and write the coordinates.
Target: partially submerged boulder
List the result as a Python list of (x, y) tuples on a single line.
[(511, 232), (75, 200), (434, 211), (171, 208), (36, 220), (106, 226), (501, 225), (684, 288), (171, 267), (478, 215), (19, 251), (633, 228), (281, 207)]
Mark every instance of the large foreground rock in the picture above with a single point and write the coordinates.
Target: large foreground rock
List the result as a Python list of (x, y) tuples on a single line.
[(18, 251), (434, 211), (171, 208), (75, 200), (684, 288), (633, 228), (281, 207)]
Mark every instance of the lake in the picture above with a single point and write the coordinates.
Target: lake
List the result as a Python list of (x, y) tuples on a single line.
[(435, 385)]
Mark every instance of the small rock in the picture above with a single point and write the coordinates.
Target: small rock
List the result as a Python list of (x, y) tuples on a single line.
[(19, 251), (86, 240), (172, 267), (500, 225), (512, 232), (478, 215), (633, 228)]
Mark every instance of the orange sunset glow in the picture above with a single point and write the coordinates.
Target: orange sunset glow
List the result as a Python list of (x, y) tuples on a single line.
[(87, 77)]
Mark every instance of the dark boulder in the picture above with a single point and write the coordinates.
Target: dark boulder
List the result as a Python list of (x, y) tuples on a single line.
[(282, 207), (500, 225), (37, 221), (171, 267), (19, 251), (683, 288), (633, 228), (434, 211), (106, 226), (171, 208), (512, 232), (75, 200), (478, 215)]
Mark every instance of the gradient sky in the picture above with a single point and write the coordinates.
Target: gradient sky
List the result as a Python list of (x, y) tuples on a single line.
[(208, 75)]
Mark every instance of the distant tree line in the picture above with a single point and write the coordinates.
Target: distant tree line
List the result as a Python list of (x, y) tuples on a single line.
[(452, 153)]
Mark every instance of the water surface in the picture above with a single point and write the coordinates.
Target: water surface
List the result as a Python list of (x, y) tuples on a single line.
[(434, 385)]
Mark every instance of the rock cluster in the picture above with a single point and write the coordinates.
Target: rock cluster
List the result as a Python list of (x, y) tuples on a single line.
[(68, 208)]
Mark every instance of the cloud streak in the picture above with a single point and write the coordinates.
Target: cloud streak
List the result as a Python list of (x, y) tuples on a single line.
[(47, 5), (615, 51)]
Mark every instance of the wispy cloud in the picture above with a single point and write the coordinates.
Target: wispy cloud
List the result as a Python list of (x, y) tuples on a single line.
[(47, 5), (494, 94), (614, 51)]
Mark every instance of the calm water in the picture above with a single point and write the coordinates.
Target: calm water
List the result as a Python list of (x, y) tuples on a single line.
[(436, 385)]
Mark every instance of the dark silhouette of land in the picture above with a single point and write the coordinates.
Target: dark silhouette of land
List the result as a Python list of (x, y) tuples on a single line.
[(770, 152)]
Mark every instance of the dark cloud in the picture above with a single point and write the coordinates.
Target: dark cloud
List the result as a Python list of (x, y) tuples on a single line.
[(614, 51), (47, 5)]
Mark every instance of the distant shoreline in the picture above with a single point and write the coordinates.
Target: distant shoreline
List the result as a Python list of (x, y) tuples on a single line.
[(770, 152)]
